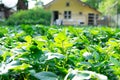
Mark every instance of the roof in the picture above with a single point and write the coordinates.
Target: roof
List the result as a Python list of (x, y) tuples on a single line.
[(50, 3), (2, 6)]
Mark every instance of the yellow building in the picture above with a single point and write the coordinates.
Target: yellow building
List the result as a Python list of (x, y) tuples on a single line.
[(72, 12)]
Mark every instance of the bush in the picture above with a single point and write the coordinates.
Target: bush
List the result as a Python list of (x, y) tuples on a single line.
[(32, 16)]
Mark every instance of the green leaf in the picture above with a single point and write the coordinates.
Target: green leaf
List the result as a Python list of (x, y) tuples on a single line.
[(6, 55), (54, 55), (77, 75), (28, 39), (21, 67), (60, 37), (87, 64), (101, 77), (84, 75), (46, 76), (81, 76), (96, 56), (115, 61), (62, 41), (5, 67), (32, 72), (87, 55)]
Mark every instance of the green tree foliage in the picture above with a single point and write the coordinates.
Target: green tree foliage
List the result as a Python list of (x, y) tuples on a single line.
[(22, 5), (105, 6), (118, 7), (109, 6), (32, 16), (38, 3), (93, 3)]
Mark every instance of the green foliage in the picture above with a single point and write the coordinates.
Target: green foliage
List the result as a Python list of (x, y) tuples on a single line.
[(46, 76), (93, 3), (32, 16), (37, 52), (111, 7), (3, 31), (84, 75)]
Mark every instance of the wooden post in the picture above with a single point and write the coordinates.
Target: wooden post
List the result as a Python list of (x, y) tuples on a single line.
[(52, 22), (95, 22)]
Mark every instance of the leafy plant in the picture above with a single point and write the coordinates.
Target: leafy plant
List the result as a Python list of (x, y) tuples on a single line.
[(40, 52)]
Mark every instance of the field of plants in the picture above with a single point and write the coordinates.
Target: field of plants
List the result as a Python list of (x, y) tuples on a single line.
[(37, 52)]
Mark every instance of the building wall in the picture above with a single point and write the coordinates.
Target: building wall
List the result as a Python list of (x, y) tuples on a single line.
[(75, 7)]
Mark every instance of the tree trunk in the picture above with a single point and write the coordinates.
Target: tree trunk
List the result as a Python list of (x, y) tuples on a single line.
[(22, 5), (5, 10)]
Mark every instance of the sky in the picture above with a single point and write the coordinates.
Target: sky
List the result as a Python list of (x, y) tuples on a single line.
[(12, 3), (9, 3), (46, 1), (31, 3)]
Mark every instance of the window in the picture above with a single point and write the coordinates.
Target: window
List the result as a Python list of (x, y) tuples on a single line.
[(80, 13), (67, 4), (91, 15), (91, 18), (67, 14), (81, 22)]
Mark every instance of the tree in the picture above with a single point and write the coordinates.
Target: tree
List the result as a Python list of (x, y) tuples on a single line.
[(110, 7), (38, 3), (93, 3), (22, 5), (118, 7)]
